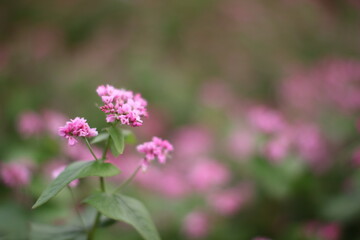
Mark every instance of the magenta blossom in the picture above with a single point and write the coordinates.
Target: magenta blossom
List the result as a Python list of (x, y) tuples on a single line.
[(196, 224), (157, 148), (122, 105), (55, 173), (15, 174), (77, 127), (30, 124)]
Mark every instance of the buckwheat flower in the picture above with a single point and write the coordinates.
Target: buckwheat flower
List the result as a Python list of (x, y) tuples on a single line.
[(30, 124), (56, 172), (77, 127), (155, 149), (196, 224), (122, 105), (207, 174), (15, 174)]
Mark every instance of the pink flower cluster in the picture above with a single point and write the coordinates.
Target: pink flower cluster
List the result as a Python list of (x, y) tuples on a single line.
[(122, 105), (77, 127), (157, 148), (15, 174)]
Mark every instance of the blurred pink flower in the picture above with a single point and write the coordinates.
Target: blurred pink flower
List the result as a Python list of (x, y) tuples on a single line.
[(169, 183), (196, 224), (156, 149), (122, 105), (30, 124), (311, 145), (52, 120), (15, 174), (56, 172), (356, 157), (77, 127), (278, 148), (261, 238), (325, 231), (227, 202), (207, 174), (266, 119), (242, 143), (192, 141)]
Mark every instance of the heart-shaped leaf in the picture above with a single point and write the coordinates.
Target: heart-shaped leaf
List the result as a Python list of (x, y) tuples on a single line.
[(74, 171), (126, 209), (117, 140)]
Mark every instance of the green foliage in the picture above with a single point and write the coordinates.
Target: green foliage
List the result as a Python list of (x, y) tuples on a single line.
[(100, 138), (126, 209), (46, 232), (74, 171), (117, 140)]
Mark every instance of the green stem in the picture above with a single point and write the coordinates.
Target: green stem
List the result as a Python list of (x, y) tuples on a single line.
[(92, 231), (103, 157), (90, 148), (124, 184)]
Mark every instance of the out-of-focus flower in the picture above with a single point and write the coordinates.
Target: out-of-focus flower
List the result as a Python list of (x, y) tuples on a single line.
[(326, 231), (15, 174), (266, 119), (77, 127), (52, 120), (227, 202), (169, 183), (356, 157), (278, 148), (56, 172), (30, 124), (196, 224), (261, 238), (242, 143), (122, 105), (192, 141), (207, 174), (311, 145), (155, 149)]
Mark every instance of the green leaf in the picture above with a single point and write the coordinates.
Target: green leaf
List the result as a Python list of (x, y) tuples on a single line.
[(117, 140), (343, 207), (129, 137), (74, 171), (100, 138), (126, 209), (46, 232)]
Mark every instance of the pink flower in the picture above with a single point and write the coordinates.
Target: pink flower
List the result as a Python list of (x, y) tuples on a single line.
[(77, 127), (266, 120), (261, 238), (156, 149), (55, 173), (192, 141), (30, 124), (207, 174), (122, 105), (15, 174), (278, 148), (52, 120), (242, 143), (227, 202), (196, 224), (326, 231)]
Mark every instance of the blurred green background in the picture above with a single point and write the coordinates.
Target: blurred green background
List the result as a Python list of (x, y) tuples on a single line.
[(215, 73)]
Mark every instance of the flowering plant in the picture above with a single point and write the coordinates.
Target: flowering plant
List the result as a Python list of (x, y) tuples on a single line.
[(122, 107)]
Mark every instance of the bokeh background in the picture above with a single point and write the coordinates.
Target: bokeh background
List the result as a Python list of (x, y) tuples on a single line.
[(259, 98)]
